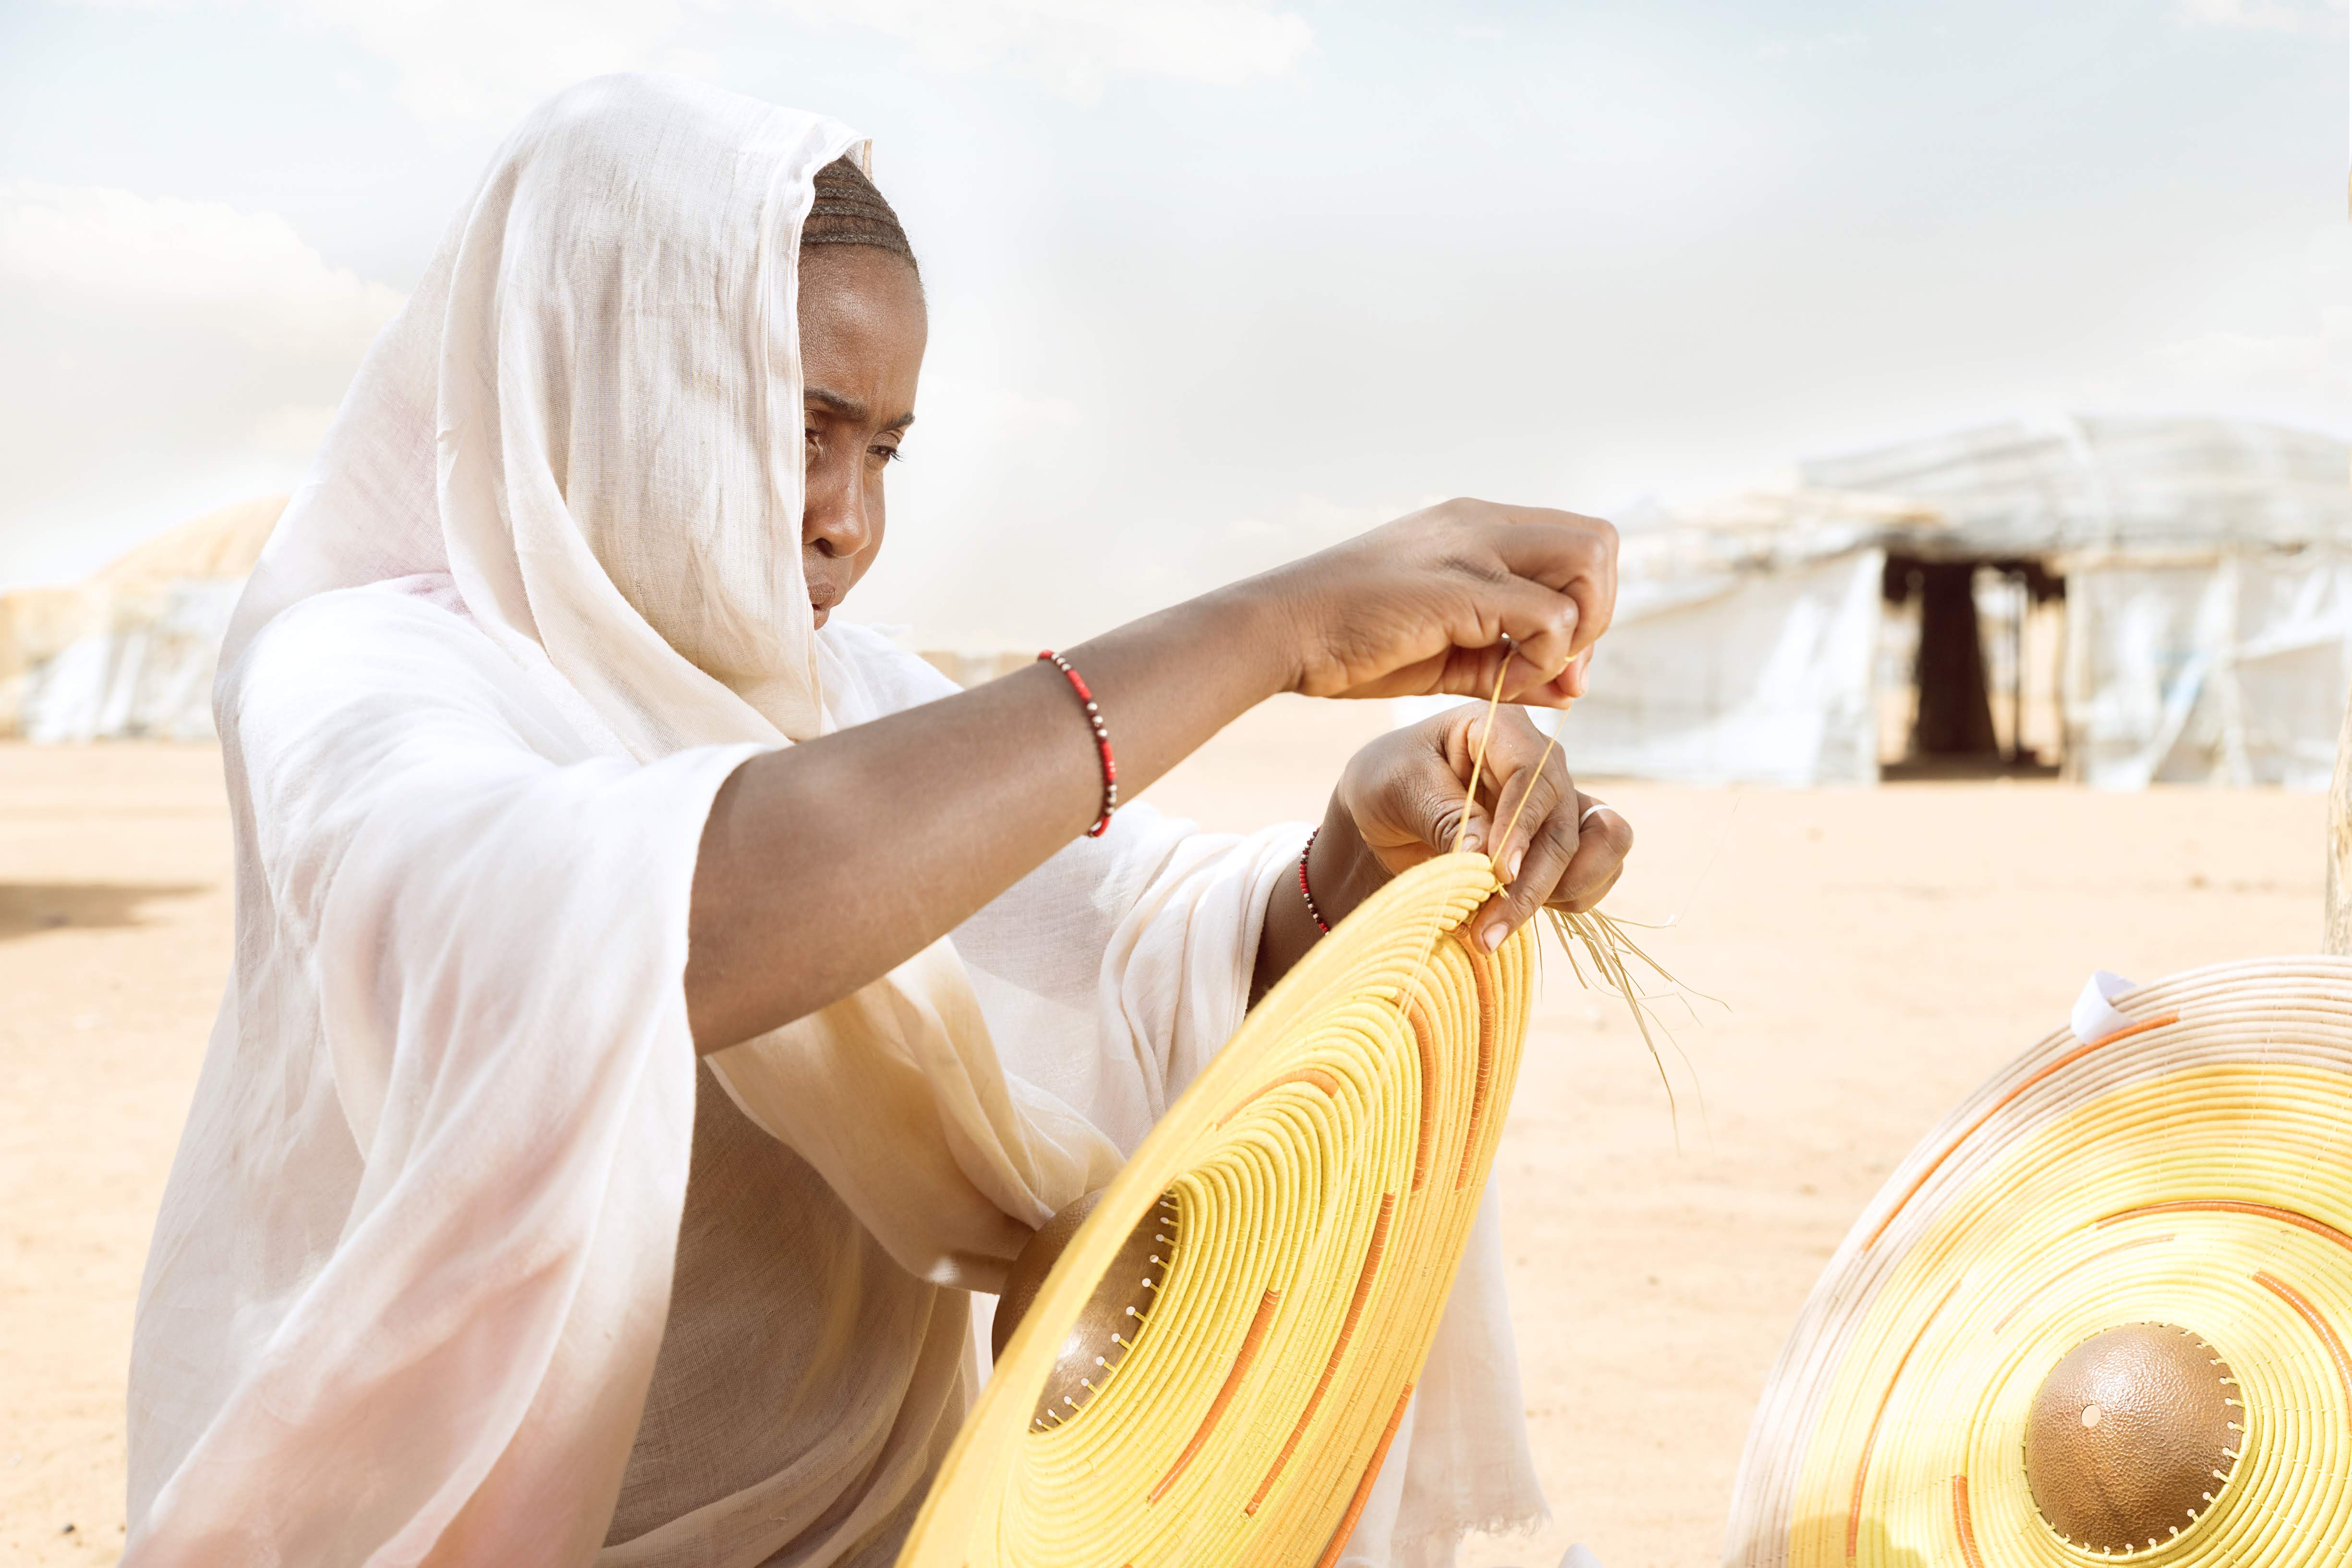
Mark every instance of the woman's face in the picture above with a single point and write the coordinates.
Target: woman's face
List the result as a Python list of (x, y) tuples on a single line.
[(862, 333)]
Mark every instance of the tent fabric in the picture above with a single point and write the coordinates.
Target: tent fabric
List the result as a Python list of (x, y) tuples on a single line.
[(1762, 677), (129, 652), (2022, 487), (2231, 671), (148, 676)]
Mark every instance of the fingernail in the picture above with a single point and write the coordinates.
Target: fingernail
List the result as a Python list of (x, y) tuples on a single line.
[(1493, 937), (1471, 840), (1513, 868)]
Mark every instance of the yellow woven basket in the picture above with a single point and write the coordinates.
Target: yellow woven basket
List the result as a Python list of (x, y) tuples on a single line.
[(2187, 1179), (1324, 1171)]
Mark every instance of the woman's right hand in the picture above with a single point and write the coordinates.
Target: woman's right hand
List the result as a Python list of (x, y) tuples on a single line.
[(1421, 606)]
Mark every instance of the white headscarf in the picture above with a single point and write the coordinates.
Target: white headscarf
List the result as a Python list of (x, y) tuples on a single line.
[(606, 353)]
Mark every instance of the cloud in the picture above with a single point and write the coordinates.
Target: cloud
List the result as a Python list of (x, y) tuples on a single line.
[(2265, 16), (2304, 378), (2299, 377), (163, 354), (84, 246), (1842, 43), (1078, 47), (473, 61)]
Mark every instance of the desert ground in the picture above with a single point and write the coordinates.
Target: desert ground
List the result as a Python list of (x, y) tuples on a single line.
[(1877, 953)]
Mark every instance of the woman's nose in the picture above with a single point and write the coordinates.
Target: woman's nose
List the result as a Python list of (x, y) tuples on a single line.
[(835, 519)]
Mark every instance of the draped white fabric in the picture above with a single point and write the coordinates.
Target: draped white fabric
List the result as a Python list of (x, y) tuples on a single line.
[(457, 1263)]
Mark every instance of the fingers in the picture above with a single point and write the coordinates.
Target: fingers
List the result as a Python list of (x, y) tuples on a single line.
[(1555, 605), (1530, 782), (1406, 791), (1602, 842), (1574, 556), (1549, 852), (1571, 860), (1530, 630), (1541, 624)]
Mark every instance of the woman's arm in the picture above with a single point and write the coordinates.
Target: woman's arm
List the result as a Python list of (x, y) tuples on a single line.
[(825, 864)]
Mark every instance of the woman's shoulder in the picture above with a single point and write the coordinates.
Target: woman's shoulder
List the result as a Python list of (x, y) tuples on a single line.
[(395, 653), (406, 632)]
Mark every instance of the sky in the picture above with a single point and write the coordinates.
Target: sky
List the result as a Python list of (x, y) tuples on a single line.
[(1215, 283)]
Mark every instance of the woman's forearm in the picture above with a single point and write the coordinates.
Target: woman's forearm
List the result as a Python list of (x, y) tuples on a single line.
[(827, 864)]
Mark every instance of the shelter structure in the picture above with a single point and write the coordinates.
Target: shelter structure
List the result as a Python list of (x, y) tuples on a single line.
[(2195, 576), (129, 652)]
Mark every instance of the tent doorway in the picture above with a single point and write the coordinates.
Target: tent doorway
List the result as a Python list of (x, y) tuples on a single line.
[(1980, 683)]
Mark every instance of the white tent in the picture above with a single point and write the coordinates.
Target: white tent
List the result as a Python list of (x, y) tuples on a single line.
[(2208, 571), (129, 652), (2207, 579)]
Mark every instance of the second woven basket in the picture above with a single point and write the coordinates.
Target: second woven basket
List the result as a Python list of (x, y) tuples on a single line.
[(2100, 1315)]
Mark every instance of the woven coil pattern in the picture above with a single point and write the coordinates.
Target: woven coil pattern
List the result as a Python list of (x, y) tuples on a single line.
[(1326, 1167), (2192, 1170)]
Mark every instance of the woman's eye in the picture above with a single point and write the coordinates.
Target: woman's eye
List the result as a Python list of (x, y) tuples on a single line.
[(888, 454)]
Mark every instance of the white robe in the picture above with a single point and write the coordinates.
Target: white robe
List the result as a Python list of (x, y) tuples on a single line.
[(457, 1264)]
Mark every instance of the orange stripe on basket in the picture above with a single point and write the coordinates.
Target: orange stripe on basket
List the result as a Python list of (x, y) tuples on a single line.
[(2233, 1206), (1423, 1032), (1995, 1108), (1364, 1487), (1329, 1082), (1364, 1277), (1482, 976), (2320, 1326), (1862, 1465), (1248, 1354), (1963, 1523)]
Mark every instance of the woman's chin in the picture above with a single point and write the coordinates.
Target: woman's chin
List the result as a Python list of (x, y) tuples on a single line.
[(822, 614)]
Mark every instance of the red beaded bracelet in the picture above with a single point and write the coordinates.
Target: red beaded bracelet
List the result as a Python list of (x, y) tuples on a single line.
[(1102, 742), (1313, 913)]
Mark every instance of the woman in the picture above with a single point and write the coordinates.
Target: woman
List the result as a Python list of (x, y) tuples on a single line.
[(550, 769)]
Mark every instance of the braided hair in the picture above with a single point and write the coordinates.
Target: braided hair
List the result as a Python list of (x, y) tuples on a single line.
[(849, 210)]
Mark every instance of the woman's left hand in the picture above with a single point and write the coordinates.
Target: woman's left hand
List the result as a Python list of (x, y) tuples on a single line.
[(1403, 798)]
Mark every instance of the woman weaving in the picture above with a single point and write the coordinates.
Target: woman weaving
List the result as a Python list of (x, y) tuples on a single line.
[(656, 1004)]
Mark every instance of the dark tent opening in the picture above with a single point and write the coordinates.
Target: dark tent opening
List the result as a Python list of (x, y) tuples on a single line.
[(1953, 732)]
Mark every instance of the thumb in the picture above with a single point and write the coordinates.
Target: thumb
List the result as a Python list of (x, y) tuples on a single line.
[(1417, 809), (1426, 816), (1475, 827)]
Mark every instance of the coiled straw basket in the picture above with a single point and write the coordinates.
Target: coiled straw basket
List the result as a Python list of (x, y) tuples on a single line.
[(2099, 1315), (1324, 1172)]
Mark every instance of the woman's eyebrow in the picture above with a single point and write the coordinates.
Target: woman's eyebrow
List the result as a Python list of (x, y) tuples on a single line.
[(849, 408)]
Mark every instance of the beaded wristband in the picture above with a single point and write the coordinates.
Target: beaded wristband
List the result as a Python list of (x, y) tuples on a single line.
[(1102, 742), (1313, 913)]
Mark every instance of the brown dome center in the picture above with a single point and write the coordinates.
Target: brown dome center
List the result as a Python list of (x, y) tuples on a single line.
[(1113, 1315), (2131, 1437)]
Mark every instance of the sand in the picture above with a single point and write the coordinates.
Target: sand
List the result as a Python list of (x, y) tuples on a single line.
[(1880, 951)]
